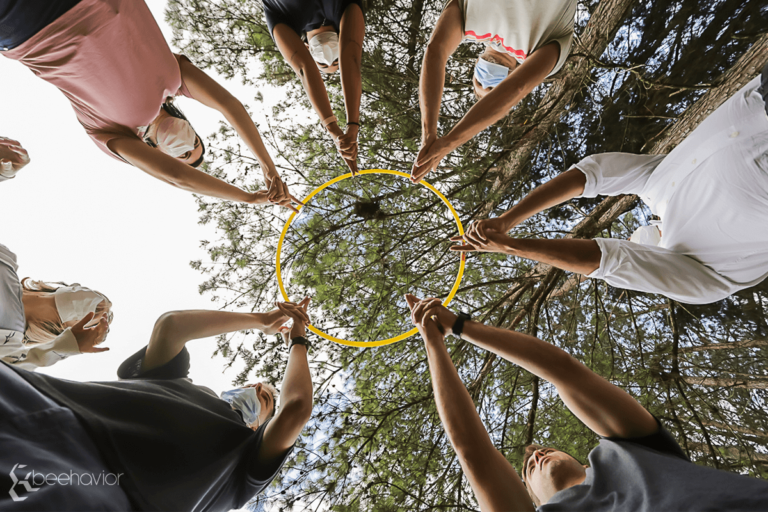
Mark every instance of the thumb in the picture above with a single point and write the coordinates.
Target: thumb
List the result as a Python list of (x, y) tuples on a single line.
[(97, 349), (411, 300), (81, 324), (305, 302)]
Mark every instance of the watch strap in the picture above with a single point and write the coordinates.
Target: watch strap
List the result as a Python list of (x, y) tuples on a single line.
[(458, 325), (299, 340)]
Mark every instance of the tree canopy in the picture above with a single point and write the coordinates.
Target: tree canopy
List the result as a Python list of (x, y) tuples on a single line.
[(641, 74)]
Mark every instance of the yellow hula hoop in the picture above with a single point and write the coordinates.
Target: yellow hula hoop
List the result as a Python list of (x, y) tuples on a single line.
[(396, 338)]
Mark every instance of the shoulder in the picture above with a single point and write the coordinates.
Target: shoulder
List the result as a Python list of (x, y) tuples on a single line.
[(660, 441)]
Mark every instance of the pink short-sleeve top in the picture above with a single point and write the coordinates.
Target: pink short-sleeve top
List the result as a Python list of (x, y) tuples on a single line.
[(111, 61)]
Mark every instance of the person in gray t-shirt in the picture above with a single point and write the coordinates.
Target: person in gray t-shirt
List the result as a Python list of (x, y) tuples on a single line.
[(638, 466)]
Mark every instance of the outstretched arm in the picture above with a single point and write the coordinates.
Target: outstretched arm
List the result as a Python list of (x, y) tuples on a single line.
[(443, 42), (174, 329), (351, 34), (208, 92), (298, 57), (174, 172), (491, 108), (570, 254), (494, 481), (603, 407), (296, 394)]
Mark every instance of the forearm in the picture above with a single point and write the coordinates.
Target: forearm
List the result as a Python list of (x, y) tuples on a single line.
[(297, 384), (351, 82), (562, 188), (570, 254), (431, 85), (169, 170), (187, 325), (454, 404)]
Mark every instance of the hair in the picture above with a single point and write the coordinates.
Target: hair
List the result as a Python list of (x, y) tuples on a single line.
[(47, 330), (275, 395), (172, 110)]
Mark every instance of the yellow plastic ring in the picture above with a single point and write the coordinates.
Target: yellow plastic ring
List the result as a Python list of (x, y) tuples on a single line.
[(396, 338)]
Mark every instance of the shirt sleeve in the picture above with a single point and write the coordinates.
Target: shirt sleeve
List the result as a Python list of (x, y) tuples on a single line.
[(183, 91), (29, 357), (661, 441), (612, 174), (651, 269), (260, 476), (176, 368)]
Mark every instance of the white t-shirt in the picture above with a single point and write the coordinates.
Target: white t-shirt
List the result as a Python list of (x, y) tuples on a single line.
[(711, 193), (519, 27)]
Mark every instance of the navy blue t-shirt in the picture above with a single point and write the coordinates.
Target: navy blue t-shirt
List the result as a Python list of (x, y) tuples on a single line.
[(305, 15), (21, 19)]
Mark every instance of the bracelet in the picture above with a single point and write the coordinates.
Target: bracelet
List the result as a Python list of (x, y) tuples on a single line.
[(329, 120), (458, 325), (299, 340), (354, 123)]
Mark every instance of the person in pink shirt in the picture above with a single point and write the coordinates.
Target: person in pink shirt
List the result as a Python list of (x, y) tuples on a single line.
[(111, 61)]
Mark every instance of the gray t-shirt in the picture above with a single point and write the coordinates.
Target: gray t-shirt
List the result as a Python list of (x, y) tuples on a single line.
[(625, 475)]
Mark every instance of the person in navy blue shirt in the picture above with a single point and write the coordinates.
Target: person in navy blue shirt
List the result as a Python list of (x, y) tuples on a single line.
[(325, 36)]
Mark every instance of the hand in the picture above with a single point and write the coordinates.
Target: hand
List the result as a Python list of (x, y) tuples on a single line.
[(346, 144), (297, 312), (479, 227), (492, 241), (88, 337), (277, 191), (272, 322), (426, 324), (12, 157), (431, 154)]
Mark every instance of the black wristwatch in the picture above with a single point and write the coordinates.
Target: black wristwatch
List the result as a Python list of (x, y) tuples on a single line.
[(458, 325), (299, 340)]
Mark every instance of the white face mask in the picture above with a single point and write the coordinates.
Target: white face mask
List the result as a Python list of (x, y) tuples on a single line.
[(646, 235), (324, 47), (246, 401), (175, 136), (74, 302)]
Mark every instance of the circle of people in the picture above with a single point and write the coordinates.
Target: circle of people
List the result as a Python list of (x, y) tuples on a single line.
[(175, 445)]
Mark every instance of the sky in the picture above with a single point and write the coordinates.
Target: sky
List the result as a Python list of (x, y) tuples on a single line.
[(74, 214)]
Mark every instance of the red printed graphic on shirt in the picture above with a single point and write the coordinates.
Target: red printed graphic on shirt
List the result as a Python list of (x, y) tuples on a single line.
[(517, 54)]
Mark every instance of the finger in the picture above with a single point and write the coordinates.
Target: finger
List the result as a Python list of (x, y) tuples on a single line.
[(411, 300), (462, 248), (305, 302), (472, 238), (293, 198), (96, 350), (459, 238), (477, 233), (83, 321)]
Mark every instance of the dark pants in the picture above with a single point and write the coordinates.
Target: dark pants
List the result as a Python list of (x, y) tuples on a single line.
[(22, 19), (47, 459), (763, 90)]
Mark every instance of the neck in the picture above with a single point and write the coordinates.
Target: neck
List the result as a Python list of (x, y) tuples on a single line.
[(325, 28), (39, 307), (566, 484)]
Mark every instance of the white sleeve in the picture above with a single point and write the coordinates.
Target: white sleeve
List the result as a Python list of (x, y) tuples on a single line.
[(652, 269), (29, 357), (612, 174)]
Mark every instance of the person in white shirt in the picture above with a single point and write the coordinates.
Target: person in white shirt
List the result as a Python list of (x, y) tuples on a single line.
[(41, 324), (526, 41), (711, 193)]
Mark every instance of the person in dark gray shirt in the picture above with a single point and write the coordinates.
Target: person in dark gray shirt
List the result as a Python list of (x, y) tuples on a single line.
[(638, 466), (153, 440)]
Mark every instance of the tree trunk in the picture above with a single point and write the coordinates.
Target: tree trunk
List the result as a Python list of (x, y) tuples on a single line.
[(727, 346), (739, 381)]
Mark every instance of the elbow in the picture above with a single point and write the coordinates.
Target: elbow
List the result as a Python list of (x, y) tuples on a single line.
[(435, 53), (167, 324), (298, 408)]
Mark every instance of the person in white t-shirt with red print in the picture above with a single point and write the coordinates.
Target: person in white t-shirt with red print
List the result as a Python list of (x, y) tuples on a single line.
[(525, 42)]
